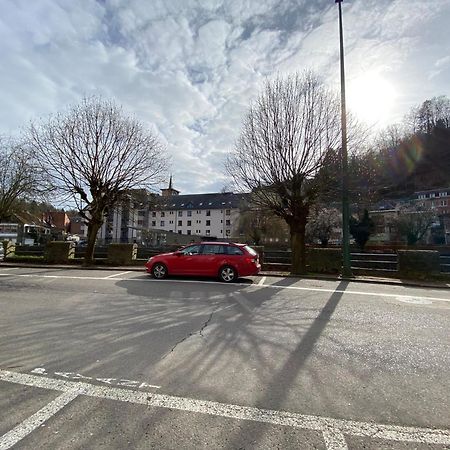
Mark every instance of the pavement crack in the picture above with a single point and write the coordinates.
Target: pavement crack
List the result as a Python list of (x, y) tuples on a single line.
[(199, 332), (205, 324)]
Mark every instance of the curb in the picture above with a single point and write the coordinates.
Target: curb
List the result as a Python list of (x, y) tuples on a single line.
[(360, 279)]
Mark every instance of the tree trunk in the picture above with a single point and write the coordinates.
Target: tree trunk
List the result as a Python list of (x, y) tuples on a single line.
[(93, 227), (297, 231)]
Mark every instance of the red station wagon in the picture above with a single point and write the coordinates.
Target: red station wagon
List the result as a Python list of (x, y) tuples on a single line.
[(210, 259)]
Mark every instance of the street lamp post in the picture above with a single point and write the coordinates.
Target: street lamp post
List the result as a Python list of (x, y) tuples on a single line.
[(346, 267)]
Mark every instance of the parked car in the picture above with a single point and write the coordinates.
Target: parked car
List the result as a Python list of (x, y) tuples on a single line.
[(224, 260)]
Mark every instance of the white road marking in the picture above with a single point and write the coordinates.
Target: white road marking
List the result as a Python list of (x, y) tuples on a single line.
[(269, 286), (415, 300), (262, 281), (117, 274), (331, 428), (334, 439), (36, 420), (110, 381)]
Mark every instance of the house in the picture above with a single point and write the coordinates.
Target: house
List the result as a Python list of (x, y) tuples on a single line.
[(57, 220), (438, 199), (25, 228)]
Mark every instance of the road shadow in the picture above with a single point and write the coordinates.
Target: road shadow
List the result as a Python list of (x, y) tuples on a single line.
[(284, 378)]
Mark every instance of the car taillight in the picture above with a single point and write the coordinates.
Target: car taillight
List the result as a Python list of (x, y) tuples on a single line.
[(251, 260)]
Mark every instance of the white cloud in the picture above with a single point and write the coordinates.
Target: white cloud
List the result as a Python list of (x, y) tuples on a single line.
[(190, 68)]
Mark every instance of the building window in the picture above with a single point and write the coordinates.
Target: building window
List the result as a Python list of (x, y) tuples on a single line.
[(180, 232), (180, 213), (208, 223), (189, 213), (227, 222), (180, 223), (188, 232), (208, 232), (199, 221), (189, 223), (153, 214), (170, 222), (228, 232), (171, 213), (227, 212), (208, 212), (198, 212), (161, 223), (153, 223), (163, 214)]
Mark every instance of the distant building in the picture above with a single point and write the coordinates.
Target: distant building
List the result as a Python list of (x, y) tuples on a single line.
[(438, 199), (214, 215), (208, 216), (25, 228), (57, 220)]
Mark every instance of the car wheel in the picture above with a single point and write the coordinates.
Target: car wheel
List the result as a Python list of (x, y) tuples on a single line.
[(227, 274), (159, 271)]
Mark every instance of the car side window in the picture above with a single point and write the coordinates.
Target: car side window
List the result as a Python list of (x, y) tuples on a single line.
[(213, 250), (231, 250), (191, 250)]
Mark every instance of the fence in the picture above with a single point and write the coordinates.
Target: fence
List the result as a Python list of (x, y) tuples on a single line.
[(377, 263)]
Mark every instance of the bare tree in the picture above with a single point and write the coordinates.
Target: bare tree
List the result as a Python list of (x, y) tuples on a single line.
[(321, 224), (19, 177), (259, 225), (413, 221), (95, 155), (285, 140), (431, 113)]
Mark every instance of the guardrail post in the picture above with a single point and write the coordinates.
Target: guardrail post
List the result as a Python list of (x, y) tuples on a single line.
[(9, 249)]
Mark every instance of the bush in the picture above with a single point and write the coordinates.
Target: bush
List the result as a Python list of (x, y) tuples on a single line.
[(324, 260), (59, 252), (418, 263), (25, 259), (121, 253)]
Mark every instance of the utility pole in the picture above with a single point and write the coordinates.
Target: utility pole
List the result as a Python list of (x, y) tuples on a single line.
[(346, 266)]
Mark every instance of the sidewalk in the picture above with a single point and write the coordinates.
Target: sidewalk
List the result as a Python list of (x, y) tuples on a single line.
[(359, 278)]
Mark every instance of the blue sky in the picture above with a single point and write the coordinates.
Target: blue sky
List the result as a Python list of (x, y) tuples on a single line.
[(189, 68)]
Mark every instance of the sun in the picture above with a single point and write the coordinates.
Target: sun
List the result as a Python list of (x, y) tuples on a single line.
[(371, 99)]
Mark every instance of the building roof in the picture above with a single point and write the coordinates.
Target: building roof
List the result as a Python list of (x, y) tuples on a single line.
[(430, 191), (226, 200)]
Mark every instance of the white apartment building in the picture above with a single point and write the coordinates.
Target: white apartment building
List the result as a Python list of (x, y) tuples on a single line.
[(203, 216), (213, 215)]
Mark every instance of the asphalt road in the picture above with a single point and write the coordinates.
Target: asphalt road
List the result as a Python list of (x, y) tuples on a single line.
[(104, 359)]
